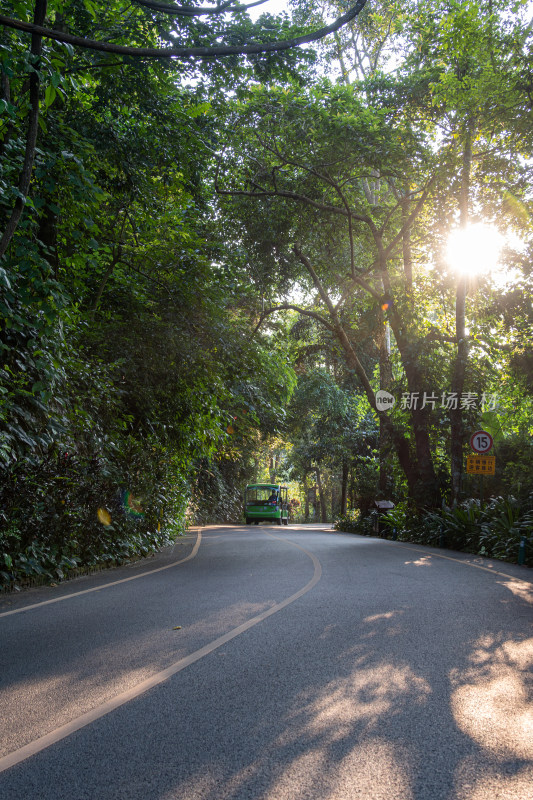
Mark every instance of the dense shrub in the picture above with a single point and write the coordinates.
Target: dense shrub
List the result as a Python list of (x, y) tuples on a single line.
[(494, 530), (217, 494), (67, 513), (356, 522), (72, 457)]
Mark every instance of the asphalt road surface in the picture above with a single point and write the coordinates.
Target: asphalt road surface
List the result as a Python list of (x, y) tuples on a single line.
[(265, 663)]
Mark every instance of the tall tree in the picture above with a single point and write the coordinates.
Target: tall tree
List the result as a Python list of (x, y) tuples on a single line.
[(349, 227), (154, 21), (464, 51), (372, 178)]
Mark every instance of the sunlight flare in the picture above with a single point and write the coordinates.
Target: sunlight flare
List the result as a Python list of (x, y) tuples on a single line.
[(474, 249)]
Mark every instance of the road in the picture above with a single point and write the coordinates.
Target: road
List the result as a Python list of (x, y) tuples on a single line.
[(264, 663)]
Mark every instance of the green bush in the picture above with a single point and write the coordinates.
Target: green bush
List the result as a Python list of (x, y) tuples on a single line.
[(457, 529), (505, 521), (395, 520), (355, 522), (494, 530), (391, 523), (50, 522)]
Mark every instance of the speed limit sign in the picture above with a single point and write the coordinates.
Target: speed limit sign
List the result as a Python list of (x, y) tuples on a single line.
[(481, 442)]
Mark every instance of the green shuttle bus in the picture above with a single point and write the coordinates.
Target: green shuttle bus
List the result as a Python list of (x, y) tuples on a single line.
[(268, 502)]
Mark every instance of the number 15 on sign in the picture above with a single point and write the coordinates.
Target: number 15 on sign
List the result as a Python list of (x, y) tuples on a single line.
[(481, 442)]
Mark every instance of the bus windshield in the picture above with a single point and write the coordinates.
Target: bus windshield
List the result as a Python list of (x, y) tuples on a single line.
[(262, 494)]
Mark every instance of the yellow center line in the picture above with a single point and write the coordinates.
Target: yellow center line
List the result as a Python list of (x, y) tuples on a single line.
[(32, 748)]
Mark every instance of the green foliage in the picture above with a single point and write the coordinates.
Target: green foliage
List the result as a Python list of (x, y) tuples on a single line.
[(494, 530), (129, 294), (504, 522), (297, 163), (395, 520), (457, 529), (331, 429), (356, 522), (51, 493), (218, 491), (123, 352)]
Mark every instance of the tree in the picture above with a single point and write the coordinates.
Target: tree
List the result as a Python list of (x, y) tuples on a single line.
[(364, 183), (332, 434), (302, 151), (464, 52), (147, 16), (363, 47), (118, 337), (181, 13)]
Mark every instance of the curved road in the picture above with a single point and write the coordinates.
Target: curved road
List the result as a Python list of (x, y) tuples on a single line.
[(272, 664)]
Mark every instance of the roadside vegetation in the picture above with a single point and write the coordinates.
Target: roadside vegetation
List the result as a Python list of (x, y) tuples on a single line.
[(209, 267), (502, 528)]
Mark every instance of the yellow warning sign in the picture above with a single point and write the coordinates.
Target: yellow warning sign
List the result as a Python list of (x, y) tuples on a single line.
[(481, 465)]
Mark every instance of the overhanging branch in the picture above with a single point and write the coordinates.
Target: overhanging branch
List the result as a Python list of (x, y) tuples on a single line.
[(412, 216), (183, 52), (290, 307), (191, 11), (260, 191)]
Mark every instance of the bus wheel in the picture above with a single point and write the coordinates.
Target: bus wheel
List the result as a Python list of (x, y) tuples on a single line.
[(279, 521)]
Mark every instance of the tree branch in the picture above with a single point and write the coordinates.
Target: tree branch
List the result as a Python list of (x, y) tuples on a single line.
[(185, 11), (183, 52), (318, 284), (297, 164), (435, 335), (191, 11), (344, 201), (412, 216), (337, 328), (33, 128), (262, 192), (291, 307)]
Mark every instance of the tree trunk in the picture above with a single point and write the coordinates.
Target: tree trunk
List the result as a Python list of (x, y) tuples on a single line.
[(33, 127), (424, 490), (323, 510), (344, 486), (385, 382), (418, 466), (353, 496), (406, 247), (458, 379)]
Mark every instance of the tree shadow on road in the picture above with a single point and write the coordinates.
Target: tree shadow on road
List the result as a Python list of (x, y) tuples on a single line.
[(382, 695)]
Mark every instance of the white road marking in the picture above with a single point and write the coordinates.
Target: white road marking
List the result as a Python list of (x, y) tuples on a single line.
[(106, 585), (462, 561), (430, 554), (32, 748)]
